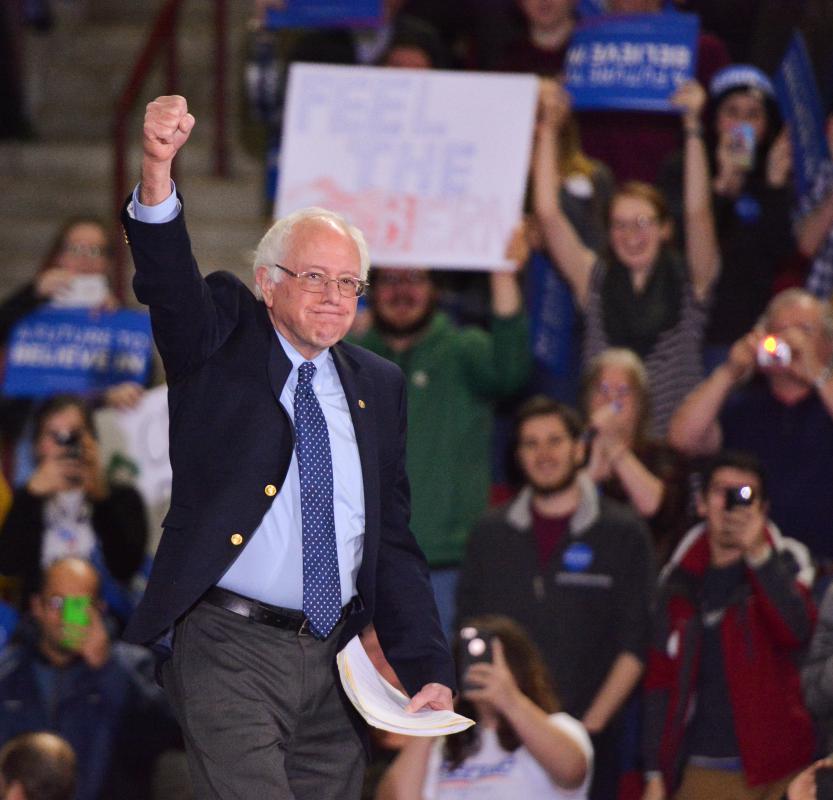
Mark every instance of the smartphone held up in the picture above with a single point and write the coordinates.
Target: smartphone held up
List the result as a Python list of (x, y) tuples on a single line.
[(475, 648), (75, 619)]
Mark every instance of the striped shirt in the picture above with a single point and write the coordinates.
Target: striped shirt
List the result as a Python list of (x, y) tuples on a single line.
[(675, 363)]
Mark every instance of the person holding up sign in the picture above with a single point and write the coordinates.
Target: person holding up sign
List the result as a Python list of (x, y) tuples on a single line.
[(749, 165), (637, 293), (75, 274)]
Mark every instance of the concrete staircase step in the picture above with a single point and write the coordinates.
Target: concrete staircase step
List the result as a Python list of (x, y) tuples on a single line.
[(76, 73)]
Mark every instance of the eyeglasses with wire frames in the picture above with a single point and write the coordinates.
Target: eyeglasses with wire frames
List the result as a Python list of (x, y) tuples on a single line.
[(88, 250), (640, 223), (317, 282)]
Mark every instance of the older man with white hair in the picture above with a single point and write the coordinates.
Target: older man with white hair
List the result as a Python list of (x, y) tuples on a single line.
[(288, 529)]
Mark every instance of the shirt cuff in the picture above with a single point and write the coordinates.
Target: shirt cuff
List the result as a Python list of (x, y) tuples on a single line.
[(165, 211)]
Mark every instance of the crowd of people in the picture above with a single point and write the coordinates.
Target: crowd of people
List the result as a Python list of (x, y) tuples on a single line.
[(641, 535)]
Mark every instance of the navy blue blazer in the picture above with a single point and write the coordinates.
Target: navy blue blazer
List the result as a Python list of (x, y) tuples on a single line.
[(231, 441)]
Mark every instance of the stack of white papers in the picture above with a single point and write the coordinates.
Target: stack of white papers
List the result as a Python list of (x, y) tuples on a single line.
[(382, 705)]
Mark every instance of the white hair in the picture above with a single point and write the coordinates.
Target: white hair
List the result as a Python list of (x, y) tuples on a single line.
[(273, 247), (797, 296)]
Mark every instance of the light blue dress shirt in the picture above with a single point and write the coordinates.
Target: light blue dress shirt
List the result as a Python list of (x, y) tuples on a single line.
[(270, 567)]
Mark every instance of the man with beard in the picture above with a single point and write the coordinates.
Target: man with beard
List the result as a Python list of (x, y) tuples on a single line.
[(576, 570), (455, 376)]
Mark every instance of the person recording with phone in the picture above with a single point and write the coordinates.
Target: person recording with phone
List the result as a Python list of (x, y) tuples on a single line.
[(68, 677), (576, 570), (723, 715), (773, 397), (521, 746), (76, 272), (749, 160), (69, 508)]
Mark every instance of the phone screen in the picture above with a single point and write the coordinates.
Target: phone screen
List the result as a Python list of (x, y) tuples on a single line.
[(75, 615), (742, 145)]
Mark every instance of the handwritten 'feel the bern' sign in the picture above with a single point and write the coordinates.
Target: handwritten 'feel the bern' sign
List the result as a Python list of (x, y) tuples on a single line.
[(430, 165)]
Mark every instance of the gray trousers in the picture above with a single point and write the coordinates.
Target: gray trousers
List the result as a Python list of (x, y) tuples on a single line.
[(260, 711)]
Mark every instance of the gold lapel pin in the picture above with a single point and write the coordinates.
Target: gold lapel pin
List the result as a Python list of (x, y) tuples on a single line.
[(361, 404)]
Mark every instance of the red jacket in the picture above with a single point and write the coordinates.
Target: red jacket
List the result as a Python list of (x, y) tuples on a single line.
[(762, 632)]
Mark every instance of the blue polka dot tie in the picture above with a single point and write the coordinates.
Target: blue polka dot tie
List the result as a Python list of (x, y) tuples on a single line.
[(322, 587)]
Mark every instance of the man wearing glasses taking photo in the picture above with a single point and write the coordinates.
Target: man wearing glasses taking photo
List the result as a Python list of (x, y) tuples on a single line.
[(288, 528)]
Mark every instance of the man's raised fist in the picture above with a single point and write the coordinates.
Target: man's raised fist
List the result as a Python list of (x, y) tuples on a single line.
[(167, 127)]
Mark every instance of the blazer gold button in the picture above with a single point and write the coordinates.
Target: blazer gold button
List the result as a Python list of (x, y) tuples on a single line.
[(270, 490), (237, 539), (361, 404)]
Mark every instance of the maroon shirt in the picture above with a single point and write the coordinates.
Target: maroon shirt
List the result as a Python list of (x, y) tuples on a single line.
[(549, 531)]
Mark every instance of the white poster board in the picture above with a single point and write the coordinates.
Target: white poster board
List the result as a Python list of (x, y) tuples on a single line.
[(430, 165), (134, 449)]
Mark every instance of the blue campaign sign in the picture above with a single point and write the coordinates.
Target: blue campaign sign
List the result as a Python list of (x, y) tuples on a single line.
[(631, 62), (552, 315), (56, 350), (591, 8), (800, 104), (325, 14)]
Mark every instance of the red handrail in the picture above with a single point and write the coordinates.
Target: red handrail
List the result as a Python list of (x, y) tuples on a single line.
[(162, 40)]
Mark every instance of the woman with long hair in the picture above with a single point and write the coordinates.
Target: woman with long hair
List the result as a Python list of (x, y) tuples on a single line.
[(749, 161), (76, 272), (637, 292), (521, 746)]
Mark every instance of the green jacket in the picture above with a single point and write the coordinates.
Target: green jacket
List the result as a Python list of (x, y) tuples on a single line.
[(454, 376)]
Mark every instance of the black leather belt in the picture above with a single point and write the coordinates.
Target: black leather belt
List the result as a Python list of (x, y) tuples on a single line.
[(265, 614)]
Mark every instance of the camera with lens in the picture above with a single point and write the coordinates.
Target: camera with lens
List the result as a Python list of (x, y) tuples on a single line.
[(70, 441), (773, 352), (739, 496)]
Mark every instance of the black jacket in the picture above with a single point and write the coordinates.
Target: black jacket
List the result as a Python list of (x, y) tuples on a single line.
[(230, 439)]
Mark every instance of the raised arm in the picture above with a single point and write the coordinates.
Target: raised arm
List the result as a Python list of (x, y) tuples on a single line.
[(563, 243), (558, 753), (497, 364), (702, 250), (167, 126), (694, 429), (611, 453), (190, 319), (505, 291), (813, 229)]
